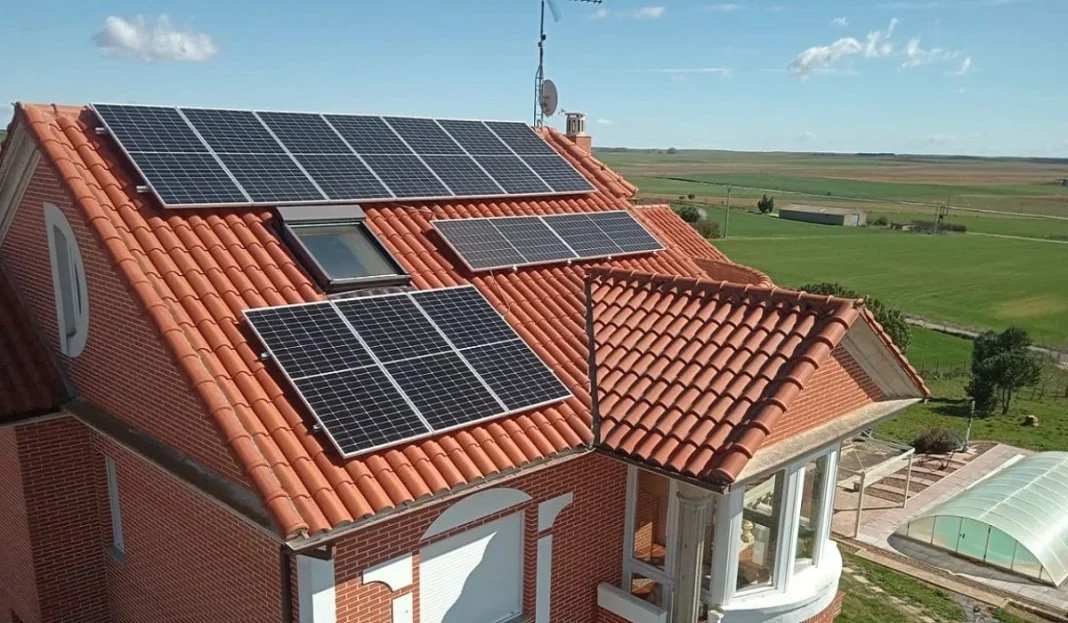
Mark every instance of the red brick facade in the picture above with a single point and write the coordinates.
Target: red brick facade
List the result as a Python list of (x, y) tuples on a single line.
[(187, 560), (587, 543), (830, 612)]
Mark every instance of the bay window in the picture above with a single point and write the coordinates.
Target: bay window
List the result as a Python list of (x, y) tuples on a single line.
[(762, 514)]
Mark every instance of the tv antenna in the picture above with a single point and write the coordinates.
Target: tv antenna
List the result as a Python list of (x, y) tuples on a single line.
[(540, 105)]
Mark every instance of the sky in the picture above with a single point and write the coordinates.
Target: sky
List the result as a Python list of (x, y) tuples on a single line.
[(982, 77)]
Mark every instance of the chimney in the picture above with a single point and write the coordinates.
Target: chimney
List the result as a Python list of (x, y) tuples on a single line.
[(576, 131)]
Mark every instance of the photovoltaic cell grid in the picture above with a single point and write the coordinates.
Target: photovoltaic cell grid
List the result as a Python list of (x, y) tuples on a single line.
[(504, 242), (261, 157), (378, 370)]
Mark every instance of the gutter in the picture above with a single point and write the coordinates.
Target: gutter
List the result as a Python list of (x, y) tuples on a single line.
[(591, 347)]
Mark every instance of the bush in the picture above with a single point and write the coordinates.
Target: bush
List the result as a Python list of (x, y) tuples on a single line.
[(937, 440), (766, 204), (954, 227), (690, 214), (892, 319), (691, 196), (708, 229), (880, 221)]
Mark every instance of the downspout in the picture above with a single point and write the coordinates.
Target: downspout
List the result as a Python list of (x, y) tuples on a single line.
[(286, 569), (592, 363)]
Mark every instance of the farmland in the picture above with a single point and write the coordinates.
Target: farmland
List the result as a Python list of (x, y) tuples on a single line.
[(985, 279)]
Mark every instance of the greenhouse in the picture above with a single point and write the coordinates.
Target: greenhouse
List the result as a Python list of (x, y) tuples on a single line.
[(1015, 519)]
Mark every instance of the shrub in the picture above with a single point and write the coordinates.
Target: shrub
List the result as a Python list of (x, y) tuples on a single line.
[(880, 221), (954, 227), (708, 229), (892, 319), (691, 196), (936, 440), (689, 213), (766, 205)]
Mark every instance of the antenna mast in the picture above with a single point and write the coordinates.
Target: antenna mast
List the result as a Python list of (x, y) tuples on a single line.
[(539, 77)]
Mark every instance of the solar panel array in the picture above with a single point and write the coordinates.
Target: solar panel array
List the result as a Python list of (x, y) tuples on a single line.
[(378, 370), (504, 242), (198, 157)]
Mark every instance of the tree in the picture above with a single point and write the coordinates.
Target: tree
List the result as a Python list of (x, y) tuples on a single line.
[(689, 213), (671, 151), (891, 318), (766, 204), (1002, 364)]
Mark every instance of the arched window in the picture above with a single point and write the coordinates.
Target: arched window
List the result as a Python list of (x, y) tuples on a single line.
[(68, 282)]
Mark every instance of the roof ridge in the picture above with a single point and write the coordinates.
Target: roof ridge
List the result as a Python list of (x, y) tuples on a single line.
[(772, 292)]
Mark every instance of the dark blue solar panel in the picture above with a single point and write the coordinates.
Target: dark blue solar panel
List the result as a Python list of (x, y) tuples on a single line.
[(232, 131), (465, 316), (533, 238), (150, 128), (304, 133), (188, 179), (516, 375), (463, 176), (368, 135), (474, 137), (308, 340), (558, 174), (514, 176), (479, 243), (521, 138), (406, 176), (625, 231), (342, 176), (582, 234), (424, 136), (271, 178), (446, 392), (393, 327)]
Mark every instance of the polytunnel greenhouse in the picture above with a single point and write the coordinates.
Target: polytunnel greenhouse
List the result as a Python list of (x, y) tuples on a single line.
[(1015, 519)]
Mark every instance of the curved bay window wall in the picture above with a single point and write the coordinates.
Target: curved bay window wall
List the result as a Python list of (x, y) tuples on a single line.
[(756, 539)]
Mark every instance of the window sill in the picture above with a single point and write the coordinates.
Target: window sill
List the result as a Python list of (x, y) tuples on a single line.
[(117, 554), (812, 589)]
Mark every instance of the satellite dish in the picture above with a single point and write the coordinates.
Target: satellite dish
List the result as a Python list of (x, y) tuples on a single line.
[(548, 98)]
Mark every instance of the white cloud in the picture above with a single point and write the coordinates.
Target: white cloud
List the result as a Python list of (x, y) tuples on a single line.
[(159, 41), (941, 139), (917, 56), (965, 67), (645, 12), (840, 22), (819, 58), (806, 136), (725, 72), (604, 121), (722, 7)]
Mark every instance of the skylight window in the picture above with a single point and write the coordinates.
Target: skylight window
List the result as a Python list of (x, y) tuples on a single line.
[(338, 248)]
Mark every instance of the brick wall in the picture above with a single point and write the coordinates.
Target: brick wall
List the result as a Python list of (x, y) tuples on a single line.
[(587, 543), (61, 489), (838, 387), (18, 589), (604, 616), (121, 340), (187, 560), (832, 611)]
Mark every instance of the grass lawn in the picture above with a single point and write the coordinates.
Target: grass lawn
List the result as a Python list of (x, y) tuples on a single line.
[(975, 281), (862, 605), (943, 360), (989, 224)]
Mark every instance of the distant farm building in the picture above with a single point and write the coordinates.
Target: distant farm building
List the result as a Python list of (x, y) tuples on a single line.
[(824, 215)]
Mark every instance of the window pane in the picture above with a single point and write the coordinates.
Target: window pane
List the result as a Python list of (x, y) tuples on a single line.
[(923, 530), (647, 589), (710, 533), (650, 518), (1025, 563), (811, 505), (761, 514), (345, 251), (973, 538), (999, 549), (65, 268), (946, 532)]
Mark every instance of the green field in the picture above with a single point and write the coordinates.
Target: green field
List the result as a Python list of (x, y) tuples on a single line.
[(974, 281)]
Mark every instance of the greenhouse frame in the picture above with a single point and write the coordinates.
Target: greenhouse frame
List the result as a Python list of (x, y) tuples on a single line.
[(1016, 519)]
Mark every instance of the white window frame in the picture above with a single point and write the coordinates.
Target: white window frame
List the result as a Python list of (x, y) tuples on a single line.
[(118, 542), (20, 161), (631, 566), (727, 538), (68, 265)]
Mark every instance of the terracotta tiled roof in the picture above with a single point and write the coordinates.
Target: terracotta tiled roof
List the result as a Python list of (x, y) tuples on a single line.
[(194, 271), (28, 380), (694, 374)]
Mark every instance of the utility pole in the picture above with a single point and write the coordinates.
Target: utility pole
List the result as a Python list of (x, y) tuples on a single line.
[(727, 214)]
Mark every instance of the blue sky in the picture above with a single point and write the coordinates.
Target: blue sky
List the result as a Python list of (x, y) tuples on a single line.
[(986, 77)]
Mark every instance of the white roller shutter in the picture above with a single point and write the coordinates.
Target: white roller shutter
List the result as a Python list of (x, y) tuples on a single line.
[(474, 577)]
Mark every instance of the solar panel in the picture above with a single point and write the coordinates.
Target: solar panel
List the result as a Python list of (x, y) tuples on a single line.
[(393, 327), (513, 175), (475, 137), (533, 239), (558, 174), (625, 231), (462, 175), (308, 340), (341, 176), (189, 178), (464, 316), (382, 369), (479, 243), (582, 234), (368, 135), (424, 136), (516, 374), (520, 138), (232, 131), (304, 133), (406, 176), (150, 128), (271, 158), (360, 409), (271, 177), (444, 390)]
